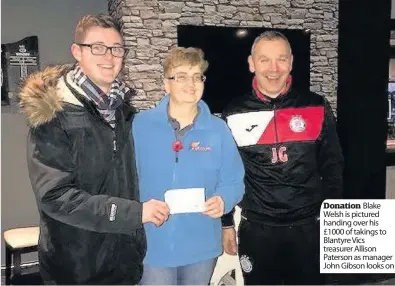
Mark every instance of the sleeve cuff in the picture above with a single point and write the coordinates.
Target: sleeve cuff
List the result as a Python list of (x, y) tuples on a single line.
[(227, 220)]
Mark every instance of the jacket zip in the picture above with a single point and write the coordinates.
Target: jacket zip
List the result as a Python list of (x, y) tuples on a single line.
[(174, 170), (177, 158), (114, 138), (114, 134), (172, 246), (113, 131), (175, 164), (275, 123)]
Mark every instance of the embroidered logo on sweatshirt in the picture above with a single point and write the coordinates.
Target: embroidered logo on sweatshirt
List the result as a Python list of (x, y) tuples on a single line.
[(113, 212), (195, 146)]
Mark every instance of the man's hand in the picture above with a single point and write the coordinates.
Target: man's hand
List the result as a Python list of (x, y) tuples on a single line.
[(229, 240), (156, 212), (215, 207)]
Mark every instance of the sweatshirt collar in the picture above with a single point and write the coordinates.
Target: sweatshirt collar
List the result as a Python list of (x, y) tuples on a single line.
[(202, 119)]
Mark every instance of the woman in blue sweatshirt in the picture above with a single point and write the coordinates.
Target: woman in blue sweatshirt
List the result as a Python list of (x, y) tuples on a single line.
[(185, 152)]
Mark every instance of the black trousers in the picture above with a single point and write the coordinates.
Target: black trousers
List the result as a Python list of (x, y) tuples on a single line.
[(280, 254)]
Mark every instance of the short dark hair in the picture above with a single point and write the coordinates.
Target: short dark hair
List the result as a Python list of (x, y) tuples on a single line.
[(270, 36), (89, 21)]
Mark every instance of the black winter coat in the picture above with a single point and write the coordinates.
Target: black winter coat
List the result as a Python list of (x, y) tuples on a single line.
[(84, 178)]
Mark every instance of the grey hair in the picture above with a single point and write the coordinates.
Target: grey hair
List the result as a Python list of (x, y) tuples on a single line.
[(270, 36)]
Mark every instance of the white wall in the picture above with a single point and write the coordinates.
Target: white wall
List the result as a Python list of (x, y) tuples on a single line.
[(53, 21)]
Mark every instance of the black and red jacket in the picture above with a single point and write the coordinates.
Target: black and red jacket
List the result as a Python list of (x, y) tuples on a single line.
[(291, 153)]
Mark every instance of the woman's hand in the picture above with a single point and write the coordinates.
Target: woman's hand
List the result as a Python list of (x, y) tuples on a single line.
[(215, 207)]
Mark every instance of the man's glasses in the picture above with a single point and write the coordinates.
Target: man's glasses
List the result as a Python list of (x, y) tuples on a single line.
[(183, 78), (99, 50)]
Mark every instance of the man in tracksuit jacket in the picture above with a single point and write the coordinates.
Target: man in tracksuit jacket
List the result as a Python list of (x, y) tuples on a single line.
[(293, 161)]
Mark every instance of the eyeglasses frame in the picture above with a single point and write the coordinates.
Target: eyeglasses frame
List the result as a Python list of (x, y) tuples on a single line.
[(107, 48)]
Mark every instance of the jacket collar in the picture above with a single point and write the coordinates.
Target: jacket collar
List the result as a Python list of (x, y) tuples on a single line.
[(203, 120), (266, 98), (44, 93)]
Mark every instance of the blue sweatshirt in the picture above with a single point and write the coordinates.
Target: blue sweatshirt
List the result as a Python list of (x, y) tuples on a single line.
[(209, 159)]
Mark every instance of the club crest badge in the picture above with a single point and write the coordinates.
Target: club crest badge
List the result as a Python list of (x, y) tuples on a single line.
[(297, 124), (246, 264)]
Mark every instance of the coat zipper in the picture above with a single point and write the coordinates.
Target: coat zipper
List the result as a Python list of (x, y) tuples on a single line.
[(114, 141), (175, 163), (275, 123), (177, 158), (114, 135), (174, 170)]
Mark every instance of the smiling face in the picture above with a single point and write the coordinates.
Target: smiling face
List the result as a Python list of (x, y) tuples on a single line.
[(101, 69), (271, 61), (189, 92)]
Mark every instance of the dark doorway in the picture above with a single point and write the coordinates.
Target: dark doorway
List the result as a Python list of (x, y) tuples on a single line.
[(362, 106), (227, 49)]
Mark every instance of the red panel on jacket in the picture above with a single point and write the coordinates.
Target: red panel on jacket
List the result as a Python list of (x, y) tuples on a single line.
[(268, 135), (299, 124)]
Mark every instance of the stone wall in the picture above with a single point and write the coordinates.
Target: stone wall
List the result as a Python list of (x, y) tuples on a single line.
[(150, 30)]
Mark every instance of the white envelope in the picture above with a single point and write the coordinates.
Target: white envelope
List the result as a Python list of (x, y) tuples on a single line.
[(190, 200)]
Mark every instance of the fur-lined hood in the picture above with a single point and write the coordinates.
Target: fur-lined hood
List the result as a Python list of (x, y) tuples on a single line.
[(44, 93)]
